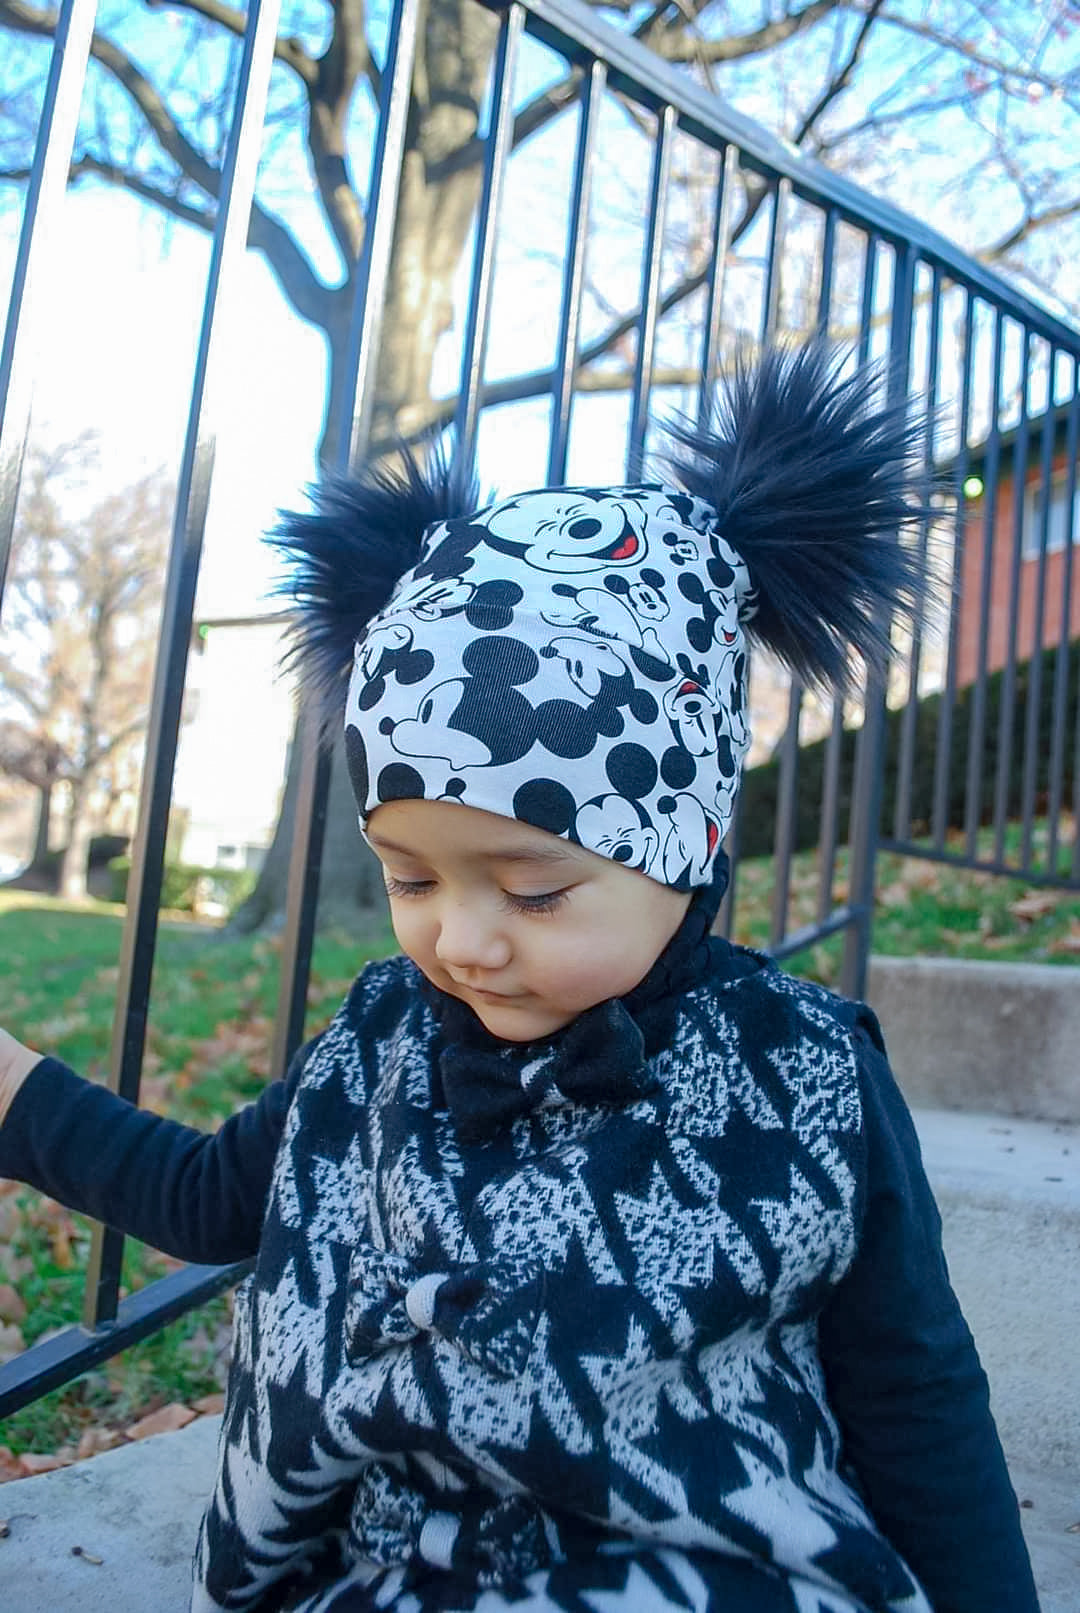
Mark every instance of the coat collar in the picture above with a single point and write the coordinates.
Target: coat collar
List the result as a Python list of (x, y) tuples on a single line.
[(600, 1057)]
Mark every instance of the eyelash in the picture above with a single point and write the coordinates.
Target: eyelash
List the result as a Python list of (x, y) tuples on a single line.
[(536, 906)]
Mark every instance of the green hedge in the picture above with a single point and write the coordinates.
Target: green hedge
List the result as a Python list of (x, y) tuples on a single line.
[(757, 822), (184, 887)]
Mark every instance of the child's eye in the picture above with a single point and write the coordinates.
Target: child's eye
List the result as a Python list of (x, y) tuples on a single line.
[(406, 887), (544, 903), (547, 903)]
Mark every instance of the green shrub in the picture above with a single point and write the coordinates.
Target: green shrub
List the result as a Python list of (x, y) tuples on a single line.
[(186, 888), (760, 788)]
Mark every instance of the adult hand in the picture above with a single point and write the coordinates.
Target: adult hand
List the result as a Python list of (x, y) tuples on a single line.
[(16, 1062)]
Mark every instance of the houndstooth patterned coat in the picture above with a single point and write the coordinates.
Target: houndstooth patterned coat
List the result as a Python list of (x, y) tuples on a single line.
[(535, 1327)]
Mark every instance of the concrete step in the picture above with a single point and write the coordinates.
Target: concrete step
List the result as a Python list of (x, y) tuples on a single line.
[(1009, 1192)]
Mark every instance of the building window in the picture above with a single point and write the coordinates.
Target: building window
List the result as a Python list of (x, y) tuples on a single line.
[(1057, 527)]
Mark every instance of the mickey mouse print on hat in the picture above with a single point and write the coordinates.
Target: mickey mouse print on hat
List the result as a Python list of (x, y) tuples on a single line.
[(576, 657)]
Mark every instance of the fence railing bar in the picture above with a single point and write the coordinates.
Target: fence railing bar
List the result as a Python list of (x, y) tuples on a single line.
[(866, 301), (714, 303), (45, 194), (982, 865), (725, 918), (977, 722), (356, 408), (841, 918), (786, 808), (860, 849), (1008, 685), (189, 522), (592, 92), (62, 1357), (943, 752), (372, 272), (870, 748), (652, 264), (828, 837), (770, 310), (496, 153), (909, 720), (828, 267), (1061, 658), (1034, 688)]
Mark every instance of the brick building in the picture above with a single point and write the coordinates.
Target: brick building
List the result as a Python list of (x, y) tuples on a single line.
[(1060, 561)]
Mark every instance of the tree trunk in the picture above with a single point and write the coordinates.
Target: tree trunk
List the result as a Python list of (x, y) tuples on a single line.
[(432, 227), (351, 896), (73, 863), (41, 836)]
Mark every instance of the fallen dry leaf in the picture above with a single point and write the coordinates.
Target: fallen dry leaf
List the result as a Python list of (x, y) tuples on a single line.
[(165, 1421), (10, 1217), (1034, 905), (12, 1342), (12, 1304), (60, 1245), (96, 1440), (35, 1462)]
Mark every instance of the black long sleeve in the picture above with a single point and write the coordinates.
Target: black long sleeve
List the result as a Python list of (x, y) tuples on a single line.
[(905, 1380), (197, 1195)]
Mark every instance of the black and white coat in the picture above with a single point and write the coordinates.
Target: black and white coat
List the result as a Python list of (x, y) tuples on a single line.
[(625, 1320), (508, 1355)]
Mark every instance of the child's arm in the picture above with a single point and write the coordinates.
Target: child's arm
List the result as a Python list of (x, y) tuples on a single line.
[(199, 1196), (906, 1383)]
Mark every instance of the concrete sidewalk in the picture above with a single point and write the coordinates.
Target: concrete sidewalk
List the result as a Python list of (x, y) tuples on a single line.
[(1009, 1192)]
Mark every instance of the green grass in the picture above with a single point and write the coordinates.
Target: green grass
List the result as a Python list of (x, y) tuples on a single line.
[(207, 1053), (208, 1043), (924, 908)]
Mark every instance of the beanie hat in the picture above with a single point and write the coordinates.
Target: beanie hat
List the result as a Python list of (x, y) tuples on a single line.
[(576, 658)]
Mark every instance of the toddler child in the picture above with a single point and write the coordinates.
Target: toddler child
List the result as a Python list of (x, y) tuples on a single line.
[(595, 1265)]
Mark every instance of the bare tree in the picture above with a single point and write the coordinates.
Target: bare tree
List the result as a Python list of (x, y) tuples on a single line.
[(854, 81), (77, 639)]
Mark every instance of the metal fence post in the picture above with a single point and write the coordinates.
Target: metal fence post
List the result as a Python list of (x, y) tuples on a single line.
[(870, 752)]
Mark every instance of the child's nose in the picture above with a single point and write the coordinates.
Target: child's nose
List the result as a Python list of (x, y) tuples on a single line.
[(469, 939)]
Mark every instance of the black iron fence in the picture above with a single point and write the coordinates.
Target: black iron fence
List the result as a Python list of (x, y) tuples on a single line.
[(735, 234)]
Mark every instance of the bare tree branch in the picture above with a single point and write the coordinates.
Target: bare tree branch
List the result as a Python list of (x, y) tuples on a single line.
[(311, 299), (957, 47), (330, 97), (841, 79), (542, 108), (520, 387), (290, 51), (1028, 227), (22, 18), (676, 44)]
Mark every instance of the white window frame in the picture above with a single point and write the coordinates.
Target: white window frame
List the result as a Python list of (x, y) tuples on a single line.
[(1055, 535)]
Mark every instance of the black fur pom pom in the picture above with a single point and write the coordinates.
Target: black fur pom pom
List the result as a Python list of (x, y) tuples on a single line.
[(344, 557), (811, 477)]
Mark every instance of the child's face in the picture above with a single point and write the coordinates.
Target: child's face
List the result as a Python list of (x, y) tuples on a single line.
[(525, 928)]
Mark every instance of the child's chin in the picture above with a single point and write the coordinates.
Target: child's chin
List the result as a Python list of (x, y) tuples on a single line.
[(513, 1024)]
